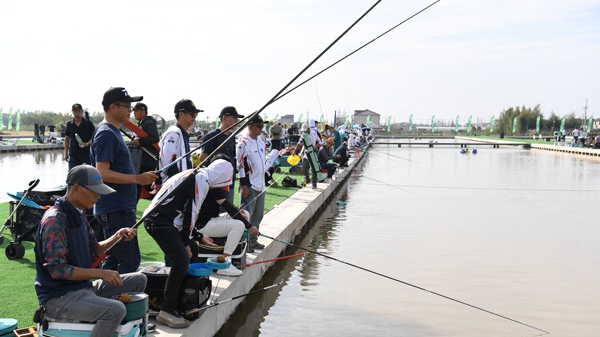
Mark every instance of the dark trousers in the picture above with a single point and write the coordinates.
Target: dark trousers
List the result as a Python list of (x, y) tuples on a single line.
[(123, 257), (330, 169), (169, 240)]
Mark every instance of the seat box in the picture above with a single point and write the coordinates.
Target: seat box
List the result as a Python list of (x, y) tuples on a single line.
[(238, 258), (194, 292)]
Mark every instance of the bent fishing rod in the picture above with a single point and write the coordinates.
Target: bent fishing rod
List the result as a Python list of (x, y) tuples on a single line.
[(403, 282), (247, 119), (233, 134), (356, 50)]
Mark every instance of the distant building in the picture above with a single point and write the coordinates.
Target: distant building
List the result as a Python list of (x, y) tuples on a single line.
[(360, 117), (286, 120)]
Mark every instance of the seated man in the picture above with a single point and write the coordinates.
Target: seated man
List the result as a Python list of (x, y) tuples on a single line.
[(326, 159), (171, 223), (341, 154), (65, 249)]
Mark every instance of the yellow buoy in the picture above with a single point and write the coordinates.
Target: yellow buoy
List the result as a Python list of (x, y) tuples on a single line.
[(293, 159)]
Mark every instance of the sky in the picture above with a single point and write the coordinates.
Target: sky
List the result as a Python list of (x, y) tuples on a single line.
[(459, 57)]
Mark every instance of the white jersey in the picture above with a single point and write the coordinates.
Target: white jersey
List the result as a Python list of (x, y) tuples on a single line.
[(253, 153)]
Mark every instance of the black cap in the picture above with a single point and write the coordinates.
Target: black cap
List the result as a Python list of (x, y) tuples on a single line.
[(186, 105), (256, 120), (118, 94), (140, 106), (230, 111), (76, 106)]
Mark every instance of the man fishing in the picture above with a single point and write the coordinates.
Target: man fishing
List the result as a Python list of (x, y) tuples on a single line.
[(65, 247)]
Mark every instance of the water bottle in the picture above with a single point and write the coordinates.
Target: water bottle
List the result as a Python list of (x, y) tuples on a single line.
[(79, 141)]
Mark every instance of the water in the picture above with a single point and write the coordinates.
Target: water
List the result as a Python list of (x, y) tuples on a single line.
[(18, 169), (507, 230)]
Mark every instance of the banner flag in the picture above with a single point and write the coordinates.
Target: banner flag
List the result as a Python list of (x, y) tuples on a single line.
[(389, 123), (410, 123), (9, 126), (589, 126), (1, 120), (300, 118), (515, 124), (18, 120), (469, 124), (456, 123), (368, 121), (433, 123), (562, 124), (537, 124), (492, 124)]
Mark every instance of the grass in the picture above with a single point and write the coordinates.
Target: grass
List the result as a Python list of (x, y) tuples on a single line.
[(17, 276)]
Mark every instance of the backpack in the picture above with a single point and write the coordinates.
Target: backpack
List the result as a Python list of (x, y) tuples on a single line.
[(289, 182)]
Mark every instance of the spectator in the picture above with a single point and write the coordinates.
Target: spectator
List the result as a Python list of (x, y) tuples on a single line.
[(149, 158), (77, 150)]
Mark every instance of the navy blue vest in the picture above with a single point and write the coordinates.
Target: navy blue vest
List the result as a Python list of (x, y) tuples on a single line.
[(76, 228)]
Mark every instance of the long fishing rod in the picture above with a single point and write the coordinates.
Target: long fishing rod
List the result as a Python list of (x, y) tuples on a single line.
[(236, 297), (233, 134), (396, 187), (403, 282), (356, 50)]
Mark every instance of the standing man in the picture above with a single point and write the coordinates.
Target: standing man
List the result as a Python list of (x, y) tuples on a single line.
[(36, 131), (175, 142), (216, 137), (78, 153), (110, 155), (65, 248), (251, 164), (276, 133), (148, 124)]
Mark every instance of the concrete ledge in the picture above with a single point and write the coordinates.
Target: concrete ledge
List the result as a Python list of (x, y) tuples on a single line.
[(283, 222)]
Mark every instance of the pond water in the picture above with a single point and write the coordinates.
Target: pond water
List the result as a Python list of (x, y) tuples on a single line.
[(509, 231)]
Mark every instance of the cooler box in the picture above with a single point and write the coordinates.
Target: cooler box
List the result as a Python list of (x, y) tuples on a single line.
[(129, 329), (238, 258), (194, 292)]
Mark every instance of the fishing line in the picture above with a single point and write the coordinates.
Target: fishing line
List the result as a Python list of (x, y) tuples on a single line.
[(403, 282), (246, 122), (239, 296), (391, 155), (396, 187), (486, 188), (356, 50)]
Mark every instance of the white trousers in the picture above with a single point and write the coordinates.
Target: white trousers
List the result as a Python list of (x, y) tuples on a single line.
[(222, 226)]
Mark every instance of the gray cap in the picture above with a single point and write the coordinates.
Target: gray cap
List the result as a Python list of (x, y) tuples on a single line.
[(89, 177)]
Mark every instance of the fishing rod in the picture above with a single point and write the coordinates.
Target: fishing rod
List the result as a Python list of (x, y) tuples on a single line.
[(247, 119), (275, 259), (356, 50), (192, 311), (403, 282), (396, 187), (233, 134), (142, 147)]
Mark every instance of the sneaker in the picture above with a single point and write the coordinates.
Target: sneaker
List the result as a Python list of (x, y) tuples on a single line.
[(250, 249), (150, 328), (314, 186), (172, 319), (257, 245), (231, 271)]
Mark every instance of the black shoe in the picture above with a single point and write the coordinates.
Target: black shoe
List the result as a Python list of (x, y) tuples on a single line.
[(256, 245), (250, 248)]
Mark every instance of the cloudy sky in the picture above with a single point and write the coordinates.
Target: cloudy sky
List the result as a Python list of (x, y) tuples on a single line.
[(460, 57)]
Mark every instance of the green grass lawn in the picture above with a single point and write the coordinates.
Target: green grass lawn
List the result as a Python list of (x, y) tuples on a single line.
[(17, 276)]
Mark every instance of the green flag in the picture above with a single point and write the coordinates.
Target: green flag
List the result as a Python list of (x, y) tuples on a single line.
[(277, 118), (389, 123), (469, 124), (590, 121), (1, 119), (217, 122), (321, 120), (410, 123), (492, 124), (456, 123), (562, 124), (368, 120), (300, 118), (18, 119), (537, 124), (347, 122), (433, 123), (515, 124), (9, 126)]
